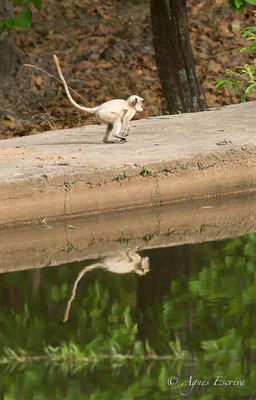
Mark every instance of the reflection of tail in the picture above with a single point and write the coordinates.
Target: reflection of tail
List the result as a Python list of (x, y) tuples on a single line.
[(80, 275), (72, 101)]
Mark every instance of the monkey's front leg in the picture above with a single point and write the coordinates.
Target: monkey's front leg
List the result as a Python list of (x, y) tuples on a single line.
[(117, 125), (126, 119), (126, 129)]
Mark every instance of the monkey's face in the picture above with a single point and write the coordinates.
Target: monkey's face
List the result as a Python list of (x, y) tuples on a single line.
[(140, 104), (142, 268), (136, 102)]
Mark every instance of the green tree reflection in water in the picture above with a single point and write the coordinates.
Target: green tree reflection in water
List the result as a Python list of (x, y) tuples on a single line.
[(192, 315)]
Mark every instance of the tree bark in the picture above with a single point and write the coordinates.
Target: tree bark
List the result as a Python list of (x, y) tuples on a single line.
[(174, 57), (9, 54), (11, 59)]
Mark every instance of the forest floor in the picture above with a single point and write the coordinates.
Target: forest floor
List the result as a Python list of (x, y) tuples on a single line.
[(105, 51)]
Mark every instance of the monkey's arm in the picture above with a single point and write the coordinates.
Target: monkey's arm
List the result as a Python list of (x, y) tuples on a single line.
[(126, 119)]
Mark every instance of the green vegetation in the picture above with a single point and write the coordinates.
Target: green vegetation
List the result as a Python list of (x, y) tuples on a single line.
[(23, 18), (238, 5), (124, 242), (203, 322), (242, 80), (148, 238), (146, 171), (68, 185), (70, 248), (121, 176), (71, 227)]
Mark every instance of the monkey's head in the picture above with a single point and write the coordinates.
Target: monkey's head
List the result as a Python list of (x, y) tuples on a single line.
[(142, 267), (136, 102)]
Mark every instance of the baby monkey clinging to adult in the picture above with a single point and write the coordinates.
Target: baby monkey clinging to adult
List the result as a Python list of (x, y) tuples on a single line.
[(113, 113)]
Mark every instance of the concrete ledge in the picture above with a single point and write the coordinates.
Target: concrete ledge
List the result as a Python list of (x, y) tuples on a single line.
[(35, 245), (71, 172)]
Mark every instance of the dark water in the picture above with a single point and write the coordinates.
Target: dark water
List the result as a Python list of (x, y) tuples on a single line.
[(189, 321)]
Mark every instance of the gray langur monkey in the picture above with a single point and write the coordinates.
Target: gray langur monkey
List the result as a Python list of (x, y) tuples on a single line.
[(113, 113), (122, 264)]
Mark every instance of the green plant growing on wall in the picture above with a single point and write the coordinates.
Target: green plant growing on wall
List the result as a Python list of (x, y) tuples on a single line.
[(146, 171), (68, 185), (148, 238), (121, 176), (124, 242), (70, 248)]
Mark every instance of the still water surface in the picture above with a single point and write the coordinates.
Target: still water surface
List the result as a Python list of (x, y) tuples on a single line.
[(183, 329)]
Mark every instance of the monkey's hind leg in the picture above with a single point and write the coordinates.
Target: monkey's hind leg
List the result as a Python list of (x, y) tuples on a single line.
[(109, 133), (117, 125)]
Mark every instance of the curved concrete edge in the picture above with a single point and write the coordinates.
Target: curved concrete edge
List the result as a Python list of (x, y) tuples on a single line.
[(34, 199)]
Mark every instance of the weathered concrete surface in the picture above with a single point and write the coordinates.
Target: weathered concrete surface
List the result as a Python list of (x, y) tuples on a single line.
[(190, 155)]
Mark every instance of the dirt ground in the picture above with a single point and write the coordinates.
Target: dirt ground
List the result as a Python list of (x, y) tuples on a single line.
[(105, 49)]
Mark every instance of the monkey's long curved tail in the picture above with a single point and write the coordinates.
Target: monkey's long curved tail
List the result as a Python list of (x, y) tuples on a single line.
[(80, 275), (72, 101)]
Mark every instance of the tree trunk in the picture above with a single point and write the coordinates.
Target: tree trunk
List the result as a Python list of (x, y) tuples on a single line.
[(11, 59), (174, 57), (9, 54)]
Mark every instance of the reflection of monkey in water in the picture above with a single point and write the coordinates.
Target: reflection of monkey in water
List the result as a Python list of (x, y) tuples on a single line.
[(123, 264)]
